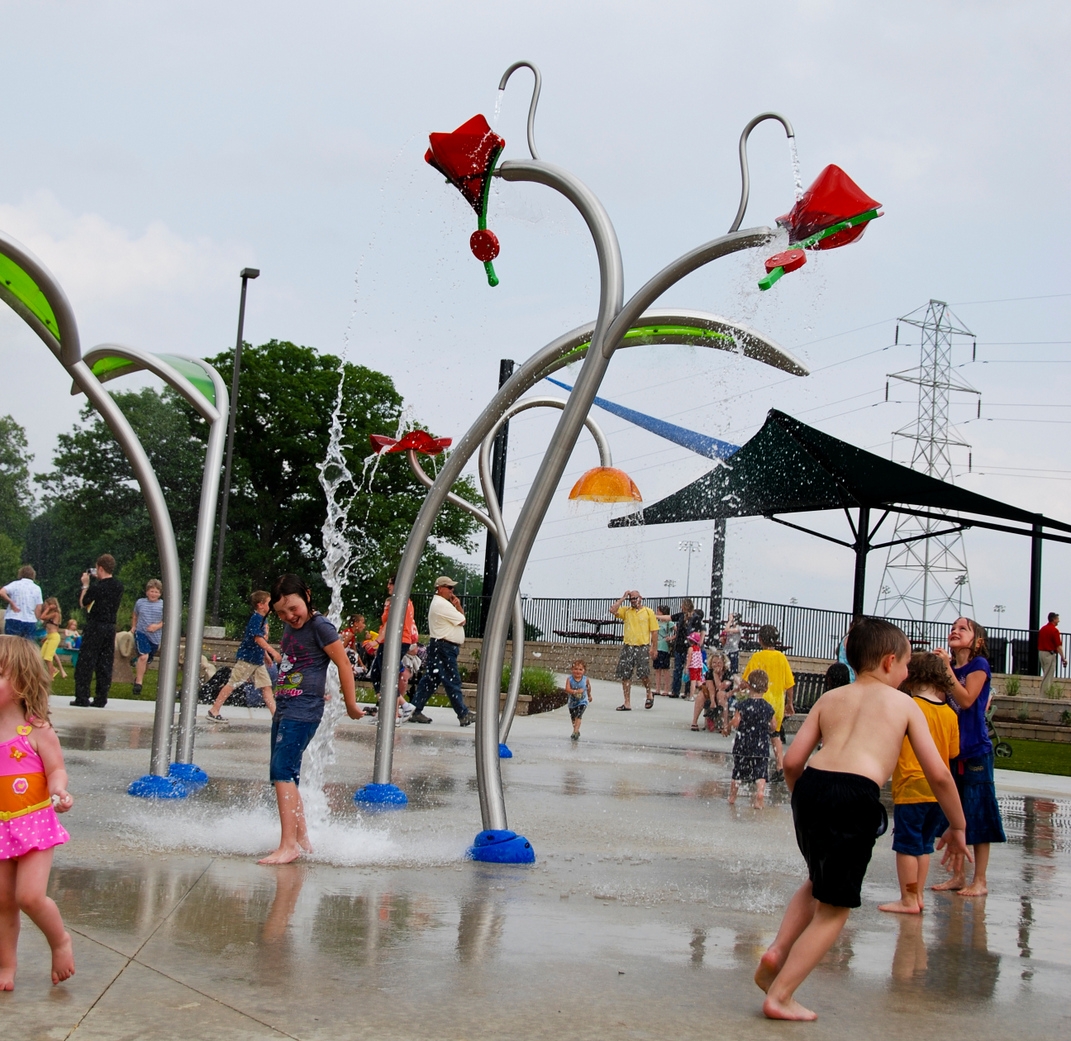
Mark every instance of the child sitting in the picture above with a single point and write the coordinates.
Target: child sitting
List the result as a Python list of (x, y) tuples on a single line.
[(578, 687), (753, 721), (917, 819), (836, 803)]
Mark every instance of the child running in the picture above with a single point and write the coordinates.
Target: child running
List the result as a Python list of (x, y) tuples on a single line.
[(33, 788), (249, 658), (836, 803), (310, 643), (751, 753), (917, 819), (579, 689)]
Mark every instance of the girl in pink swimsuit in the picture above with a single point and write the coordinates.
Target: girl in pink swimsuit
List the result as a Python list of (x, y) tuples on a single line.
[(33, 788)]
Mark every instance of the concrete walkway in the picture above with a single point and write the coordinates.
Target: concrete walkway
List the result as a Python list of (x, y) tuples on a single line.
[(643, 916)]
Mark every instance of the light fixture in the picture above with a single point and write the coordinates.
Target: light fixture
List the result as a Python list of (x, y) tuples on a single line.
[(606, 484)]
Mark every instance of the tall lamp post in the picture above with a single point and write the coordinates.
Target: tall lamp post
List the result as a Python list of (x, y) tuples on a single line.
[(689, 546), (246, 274)]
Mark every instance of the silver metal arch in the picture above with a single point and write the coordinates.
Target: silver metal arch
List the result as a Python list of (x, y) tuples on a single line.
[(66, 347), (553, 356), (215, 416), (745, 177), (536, 88)]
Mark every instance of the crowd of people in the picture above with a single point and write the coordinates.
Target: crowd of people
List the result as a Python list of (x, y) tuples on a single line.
[(917, 718)]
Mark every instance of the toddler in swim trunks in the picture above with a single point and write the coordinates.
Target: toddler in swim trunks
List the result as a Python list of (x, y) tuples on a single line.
[(836, 804)]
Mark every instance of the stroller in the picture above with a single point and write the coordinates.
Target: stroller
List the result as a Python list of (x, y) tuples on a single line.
[(1001, 749)]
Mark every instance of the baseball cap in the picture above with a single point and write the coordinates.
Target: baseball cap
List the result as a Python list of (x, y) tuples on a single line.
[(445, 580)]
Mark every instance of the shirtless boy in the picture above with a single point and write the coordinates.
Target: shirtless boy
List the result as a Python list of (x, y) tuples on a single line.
[(836, 806)]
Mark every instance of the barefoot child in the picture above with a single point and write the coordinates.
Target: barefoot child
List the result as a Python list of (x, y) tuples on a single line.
[(753, 721), (53, 618), (309, 644), (33, 787), (579, 689), (917, 819), (836, 803)]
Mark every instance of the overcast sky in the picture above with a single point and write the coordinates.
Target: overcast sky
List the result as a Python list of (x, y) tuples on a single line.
[(150, 151)]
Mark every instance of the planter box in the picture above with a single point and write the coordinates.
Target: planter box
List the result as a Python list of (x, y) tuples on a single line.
[(1044, 711), (527, 704)]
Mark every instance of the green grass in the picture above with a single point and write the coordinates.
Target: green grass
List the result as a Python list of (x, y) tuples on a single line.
[(1040, 757), (65, 687)]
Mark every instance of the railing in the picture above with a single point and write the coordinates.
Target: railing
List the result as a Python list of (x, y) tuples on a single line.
[(807, 632)]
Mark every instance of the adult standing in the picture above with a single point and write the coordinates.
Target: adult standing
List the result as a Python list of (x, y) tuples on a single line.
[(23, 597), (1050, 645), (687, 620), (730, 641), (446, 627), (641, 645), (972, 770), (100, 596), (409, 637)]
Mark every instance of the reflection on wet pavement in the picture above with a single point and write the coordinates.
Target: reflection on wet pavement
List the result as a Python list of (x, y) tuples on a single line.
[(645, 913)]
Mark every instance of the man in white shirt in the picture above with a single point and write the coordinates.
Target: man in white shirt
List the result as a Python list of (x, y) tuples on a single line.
[(23, 599), (446, 627)]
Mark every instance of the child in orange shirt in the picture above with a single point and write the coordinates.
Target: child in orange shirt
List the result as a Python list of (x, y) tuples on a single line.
[(917, 818)]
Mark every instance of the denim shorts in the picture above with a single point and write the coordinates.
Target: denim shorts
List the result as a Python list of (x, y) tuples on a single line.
[(28, 630), (289, 739), (145, 645), (974, 780), (915, 826)]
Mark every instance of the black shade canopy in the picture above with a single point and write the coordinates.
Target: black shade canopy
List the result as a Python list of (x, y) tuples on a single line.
[(789, 467)]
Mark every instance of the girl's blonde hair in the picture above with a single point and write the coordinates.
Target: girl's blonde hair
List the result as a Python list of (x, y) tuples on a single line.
[(21, 665)]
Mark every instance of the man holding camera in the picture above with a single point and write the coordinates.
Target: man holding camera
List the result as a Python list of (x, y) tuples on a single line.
[(100, 598)]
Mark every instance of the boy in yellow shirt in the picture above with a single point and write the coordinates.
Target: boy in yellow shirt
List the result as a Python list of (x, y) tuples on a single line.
[(780, 691), (917, 818)]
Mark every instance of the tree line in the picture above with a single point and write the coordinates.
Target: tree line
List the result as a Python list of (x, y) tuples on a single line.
[(89, 502)]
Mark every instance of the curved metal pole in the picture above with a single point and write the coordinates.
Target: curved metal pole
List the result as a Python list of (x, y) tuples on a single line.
[(553, 356), (611, 293), (202, 559), (212, 414), (102, 401), (65, 344), (494, 508), (745, 177), (536, 88)]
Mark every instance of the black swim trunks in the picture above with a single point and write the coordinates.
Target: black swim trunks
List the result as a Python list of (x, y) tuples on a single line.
[(838, 817)]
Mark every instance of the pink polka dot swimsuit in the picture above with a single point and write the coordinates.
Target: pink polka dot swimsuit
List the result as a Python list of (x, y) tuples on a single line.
[(27, 818)]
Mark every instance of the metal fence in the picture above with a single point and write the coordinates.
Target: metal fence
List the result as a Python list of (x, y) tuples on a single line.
[(808, 632)]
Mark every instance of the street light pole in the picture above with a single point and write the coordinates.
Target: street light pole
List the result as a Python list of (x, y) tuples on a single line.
[(689, 546), (246, 274)]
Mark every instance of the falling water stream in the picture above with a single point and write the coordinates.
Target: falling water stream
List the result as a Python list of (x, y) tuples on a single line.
[(797, 174)]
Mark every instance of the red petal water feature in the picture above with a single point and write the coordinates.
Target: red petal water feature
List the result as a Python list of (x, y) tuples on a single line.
[(417, 440), (466, 158), (832, 212)]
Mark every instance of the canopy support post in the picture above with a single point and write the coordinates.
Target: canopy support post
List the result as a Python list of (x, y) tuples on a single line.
[(717, 572), (1034, 623), (862, 547)]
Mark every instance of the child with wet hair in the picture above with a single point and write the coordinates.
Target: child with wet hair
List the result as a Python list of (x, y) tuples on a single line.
[(917, 818), (753, 721), (836, 803)]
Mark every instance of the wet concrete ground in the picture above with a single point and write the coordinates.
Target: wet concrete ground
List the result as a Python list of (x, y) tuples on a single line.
[(643, 917)]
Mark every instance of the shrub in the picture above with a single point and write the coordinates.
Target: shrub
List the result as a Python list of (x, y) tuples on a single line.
[(1024, 715), (535, 680), (1065, 718), (1053, 691), (1012, 686)]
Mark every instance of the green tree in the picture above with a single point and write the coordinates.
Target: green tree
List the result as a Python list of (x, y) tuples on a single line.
[(16, 498), (276, 512)]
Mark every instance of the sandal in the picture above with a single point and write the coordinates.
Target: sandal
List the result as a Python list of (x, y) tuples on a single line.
[(696, 726), (649, 703), (623, 708)]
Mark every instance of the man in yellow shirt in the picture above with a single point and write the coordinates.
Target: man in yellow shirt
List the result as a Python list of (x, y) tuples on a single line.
[(641, 645), (780, 691)]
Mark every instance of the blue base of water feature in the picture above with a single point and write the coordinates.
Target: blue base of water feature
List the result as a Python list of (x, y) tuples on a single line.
[(190, 775), (501, 847), (504, 752), (152, 787), (381, 796)]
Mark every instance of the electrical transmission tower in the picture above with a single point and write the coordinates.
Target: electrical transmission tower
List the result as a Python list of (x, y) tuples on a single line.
[(927, 577)]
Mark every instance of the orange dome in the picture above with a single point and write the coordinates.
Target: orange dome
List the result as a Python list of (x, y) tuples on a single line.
[(606, 484)]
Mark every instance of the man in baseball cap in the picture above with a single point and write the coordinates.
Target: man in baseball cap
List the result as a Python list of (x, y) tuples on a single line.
[(446, 626)]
